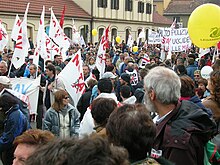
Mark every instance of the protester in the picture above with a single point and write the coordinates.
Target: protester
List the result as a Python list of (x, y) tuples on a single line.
[(14, 125), (127, 98), (62, 119), (88, 151), (28, 142), (101, 108), (182, 127)]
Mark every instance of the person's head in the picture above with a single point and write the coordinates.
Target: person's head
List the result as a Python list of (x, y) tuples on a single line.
[(214, 85), (197, 75), (33, 69), (58, 58), (28, 142), (179, 61), (4, 83), (131, 126), (202, 83), (162, 85), (101, 108), (5, 57), (3, 67), (58, 69), (86, 70), (190, 61), (216, 65), (125, 91), (108, 61), (187, 86), (87, 151), (143, 72), (181, 70), (105, 85), (91, 60), (91, 83), (61, 99), (125, 79), (50, 70), (7, 101)]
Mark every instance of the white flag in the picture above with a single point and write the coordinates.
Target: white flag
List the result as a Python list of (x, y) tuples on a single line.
[(173, 26), (58, 36), (3, 37), (130, 41), (22, 44), (82, 41), (16, 28), (100, 59), (141, 34), (75, 34), (73, 78), (41, 41)]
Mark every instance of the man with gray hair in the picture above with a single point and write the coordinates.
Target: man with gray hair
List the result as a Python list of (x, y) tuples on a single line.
[(182, 127)]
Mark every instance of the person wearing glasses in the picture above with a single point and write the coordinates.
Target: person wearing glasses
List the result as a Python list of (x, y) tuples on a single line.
[(62, 119)]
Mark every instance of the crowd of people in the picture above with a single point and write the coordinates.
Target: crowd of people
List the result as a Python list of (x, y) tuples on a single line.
[(140, 111)]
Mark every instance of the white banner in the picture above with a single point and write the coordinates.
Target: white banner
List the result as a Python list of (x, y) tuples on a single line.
[(28, 87), (175, 40), (73, 78), (154, 37), (134, 77)]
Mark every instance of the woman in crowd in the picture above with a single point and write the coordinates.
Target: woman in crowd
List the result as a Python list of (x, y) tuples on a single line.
[(62, 119)]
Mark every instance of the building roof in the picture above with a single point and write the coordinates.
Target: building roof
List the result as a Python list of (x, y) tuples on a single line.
[(35, 8), (186, 6), (159, 19)]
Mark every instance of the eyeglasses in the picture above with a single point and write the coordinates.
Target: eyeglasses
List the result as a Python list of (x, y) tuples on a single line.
[(66, 97), (196, 75)]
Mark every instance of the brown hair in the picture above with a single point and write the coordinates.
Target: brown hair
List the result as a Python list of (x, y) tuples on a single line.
[(215, 82), (34, 137), (187, 86), (58, 102)]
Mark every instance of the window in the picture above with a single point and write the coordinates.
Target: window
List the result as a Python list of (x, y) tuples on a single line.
[(102, 3), (84, 32), (148, 8), (114, 34), (128, 5), (115, 4), (140, 7), (68, 32), (101, 31)]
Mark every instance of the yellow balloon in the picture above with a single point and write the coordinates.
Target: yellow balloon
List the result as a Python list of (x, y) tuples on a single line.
[(204, 25), (94, 32), (118, 39), (135, 49)]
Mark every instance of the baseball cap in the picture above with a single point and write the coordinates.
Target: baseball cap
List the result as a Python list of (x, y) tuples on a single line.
[(108, 75), (5, 80)]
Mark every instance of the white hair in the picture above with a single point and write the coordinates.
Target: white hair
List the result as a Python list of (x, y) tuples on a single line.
[(165, 83)]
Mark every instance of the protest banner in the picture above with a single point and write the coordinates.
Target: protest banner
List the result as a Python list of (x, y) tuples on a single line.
[(133, 76), (28, 87)]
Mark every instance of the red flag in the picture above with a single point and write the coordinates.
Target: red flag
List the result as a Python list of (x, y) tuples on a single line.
[(62, 17), (0, 31)]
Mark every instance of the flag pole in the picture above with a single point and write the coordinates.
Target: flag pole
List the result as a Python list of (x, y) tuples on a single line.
[(9, 69)]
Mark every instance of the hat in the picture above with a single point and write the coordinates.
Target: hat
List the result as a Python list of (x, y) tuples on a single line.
[(5, 80), (108, 75), (31, 57), (126, 77)]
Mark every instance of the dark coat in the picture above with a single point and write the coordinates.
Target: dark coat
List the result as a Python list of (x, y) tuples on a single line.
[(84, 102), (182, 134)]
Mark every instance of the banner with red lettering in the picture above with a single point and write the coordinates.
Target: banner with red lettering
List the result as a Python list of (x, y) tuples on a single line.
[(22, 43), (16, 28), (73, 78), (3, 37), (58, 36), (100, 59)]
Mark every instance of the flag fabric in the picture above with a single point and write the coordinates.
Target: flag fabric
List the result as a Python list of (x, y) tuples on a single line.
[(144, 61), (100, 59), (75, 34), (113, 41), (130, 41), (62, 16), (141, 34), (3, 37), (58, 36), (16, 28), (73, 78), (173, 26), (82, 41), (41, 41), (22, 43), (51, 48), (203, 52)]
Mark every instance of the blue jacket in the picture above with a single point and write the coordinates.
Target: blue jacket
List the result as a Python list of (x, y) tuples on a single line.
[(14, 125), (190, 70), (52, 121)]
